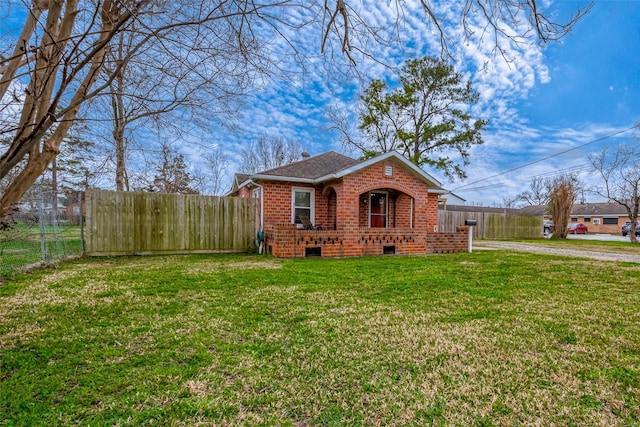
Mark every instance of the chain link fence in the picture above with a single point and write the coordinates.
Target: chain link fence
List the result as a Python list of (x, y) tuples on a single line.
[(43, 229)]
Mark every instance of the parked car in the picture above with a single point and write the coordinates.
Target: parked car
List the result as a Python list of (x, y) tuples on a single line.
[(547, 226), (577, 228), (627, 226)]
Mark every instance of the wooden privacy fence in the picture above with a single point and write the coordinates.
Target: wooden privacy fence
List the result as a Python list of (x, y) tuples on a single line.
[(126, 223), (493, 225)]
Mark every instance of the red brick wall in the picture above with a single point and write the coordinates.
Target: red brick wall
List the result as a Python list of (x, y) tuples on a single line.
[(372, 241), (403, 211), (287, 241), (352, 210), (279, 241), (603, 228), (277, 203), (342, 209), (363, 207), (330, 222), (244, 192), (344, 205), (599, 228), (448, 242)]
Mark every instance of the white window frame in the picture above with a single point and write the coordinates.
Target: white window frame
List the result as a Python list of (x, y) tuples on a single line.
[(312, 198), (595, 221)]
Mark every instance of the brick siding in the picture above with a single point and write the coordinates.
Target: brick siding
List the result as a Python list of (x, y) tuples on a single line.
[(448, 242), (341, 207), (287, 241)]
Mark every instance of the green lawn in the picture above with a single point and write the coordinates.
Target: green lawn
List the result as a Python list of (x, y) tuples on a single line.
[(20, 246), (487, 338), (588, 245)]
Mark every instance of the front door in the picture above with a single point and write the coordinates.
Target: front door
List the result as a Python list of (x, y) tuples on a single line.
[(378, 209)]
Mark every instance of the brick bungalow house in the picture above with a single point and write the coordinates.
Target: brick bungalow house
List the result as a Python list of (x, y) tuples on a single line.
[(332, 205)]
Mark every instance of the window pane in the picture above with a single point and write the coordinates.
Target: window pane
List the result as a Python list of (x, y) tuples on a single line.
[(301, 212), (378, 210), (303, 198)]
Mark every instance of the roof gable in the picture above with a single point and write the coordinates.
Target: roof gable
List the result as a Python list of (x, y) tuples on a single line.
[(415, 170), (238, 180)]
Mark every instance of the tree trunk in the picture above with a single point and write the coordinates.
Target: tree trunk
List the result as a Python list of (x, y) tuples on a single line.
[(19, 186), (121, 172), (39, 159), (119, 115)]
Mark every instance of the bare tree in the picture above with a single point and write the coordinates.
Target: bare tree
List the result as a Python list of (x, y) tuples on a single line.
[(538, 192), (155, 88), (562, 195), (510, 203), (217, 163), (50, 70), (268, 153), (620, 172), (62, 52)]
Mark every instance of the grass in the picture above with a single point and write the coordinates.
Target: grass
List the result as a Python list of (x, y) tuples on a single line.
[(488, 338), (20, 245), (586, 245)]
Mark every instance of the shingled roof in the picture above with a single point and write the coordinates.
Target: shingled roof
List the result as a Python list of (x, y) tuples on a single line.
[(329, 166), (312, 167), (588, 209)]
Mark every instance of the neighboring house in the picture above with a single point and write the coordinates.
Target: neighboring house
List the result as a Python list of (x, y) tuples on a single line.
[(333, 205), (76, 206), (41, 204), (450, 199), (598, 217), (485, 209)]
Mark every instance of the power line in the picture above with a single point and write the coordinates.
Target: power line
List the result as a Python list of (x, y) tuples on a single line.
[(548, 157), (575, 169)]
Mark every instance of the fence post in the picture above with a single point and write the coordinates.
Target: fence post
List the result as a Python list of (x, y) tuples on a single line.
[(43, 246), (81, 223)]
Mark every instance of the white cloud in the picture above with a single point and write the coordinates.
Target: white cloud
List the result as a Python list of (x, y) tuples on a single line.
[(296, 107), (524, 153)]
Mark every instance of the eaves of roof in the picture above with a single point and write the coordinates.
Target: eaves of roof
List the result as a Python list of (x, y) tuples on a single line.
[(262, 177), (356, 167)]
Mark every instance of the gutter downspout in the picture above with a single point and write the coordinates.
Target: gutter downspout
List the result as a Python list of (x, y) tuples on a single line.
[(261, 210)]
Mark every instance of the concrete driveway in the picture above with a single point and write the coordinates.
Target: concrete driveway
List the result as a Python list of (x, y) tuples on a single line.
[(572, 252), (601, 237)]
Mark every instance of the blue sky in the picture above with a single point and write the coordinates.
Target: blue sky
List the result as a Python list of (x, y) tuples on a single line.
[(547, 100), (564, 97)]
